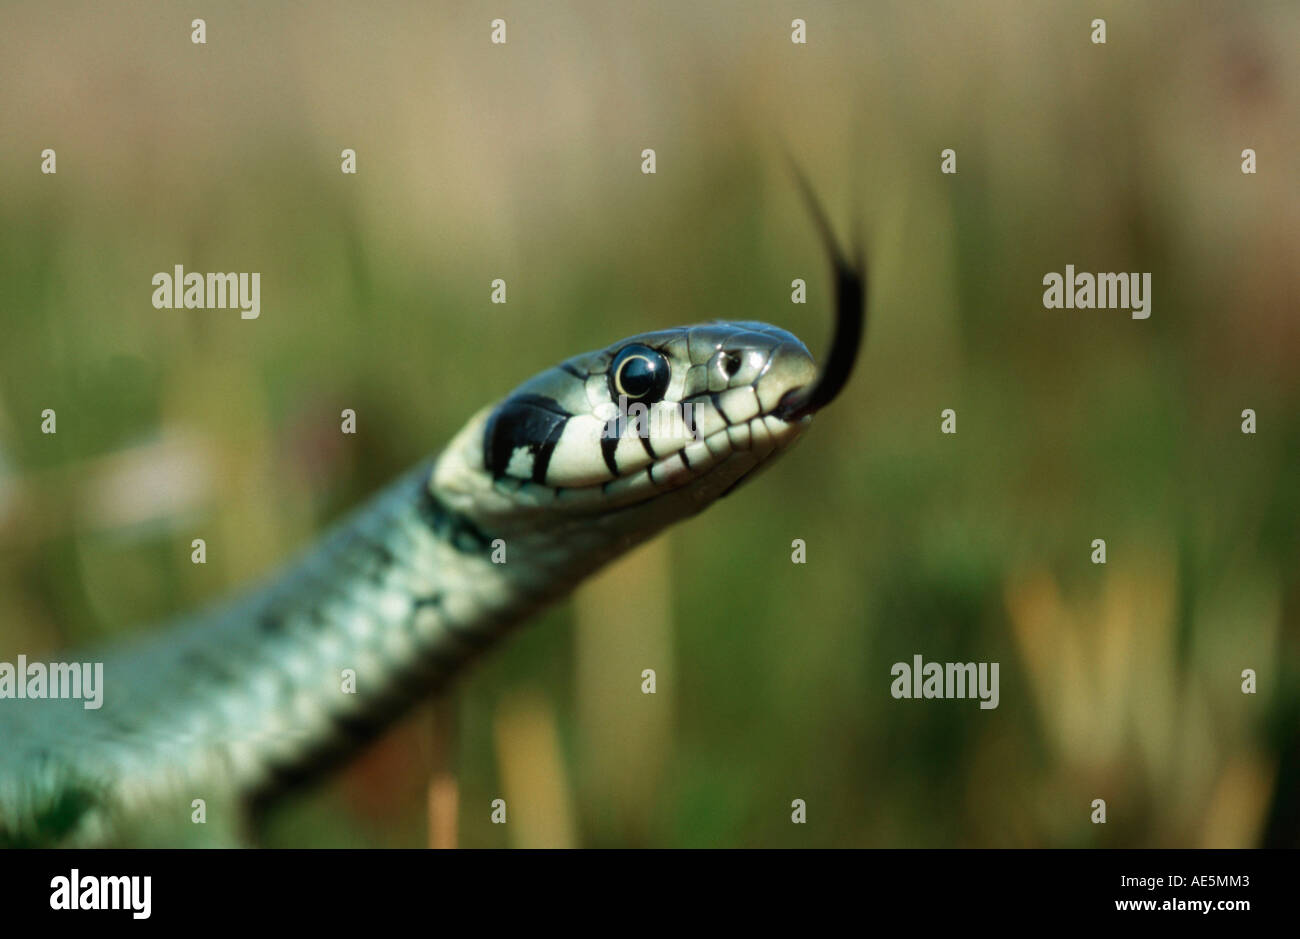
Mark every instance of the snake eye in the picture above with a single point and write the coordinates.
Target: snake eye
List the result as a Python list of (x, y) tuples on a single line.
[(639, 373)]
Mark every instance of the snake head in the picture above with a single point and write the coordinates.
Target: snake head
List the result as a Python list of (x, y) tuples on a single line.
[(654, 427), (673, 418)]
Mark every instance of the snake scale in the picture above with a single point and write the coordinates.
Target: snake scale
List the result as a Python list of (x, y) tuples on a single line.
[(240, 702)]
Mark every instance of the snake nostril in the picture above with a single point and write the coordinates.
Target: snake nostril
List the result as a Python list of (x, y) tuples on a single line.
[(731, 362)]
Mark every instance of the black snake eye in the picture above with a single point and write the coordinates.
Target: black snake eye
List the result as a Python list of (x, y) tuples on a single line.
[(639, 373)]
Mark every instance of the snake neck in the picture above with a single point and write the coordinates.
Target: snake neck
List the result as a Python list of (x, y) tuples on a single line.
[(260, 695), (400, 595)]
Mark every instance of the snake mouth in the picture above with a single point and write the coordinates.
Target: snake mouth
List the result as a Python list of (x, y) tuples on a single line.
[(792, 402), (752, 439)]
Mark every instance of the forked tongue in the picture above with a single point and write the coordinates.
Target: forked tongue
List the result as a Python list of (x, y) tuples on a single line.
[(850, 312)]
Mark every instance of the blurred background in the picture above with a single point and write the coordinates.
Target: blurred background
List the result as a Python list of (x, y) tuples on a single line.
[(523, 161)]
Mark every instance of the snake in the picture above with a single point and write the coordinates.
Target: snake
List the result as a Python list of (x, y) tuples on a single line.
[(234, 705)]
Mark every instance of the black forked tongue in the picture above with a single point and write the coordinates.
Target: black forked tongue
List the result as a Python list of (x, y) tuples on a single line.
[(850, 311)]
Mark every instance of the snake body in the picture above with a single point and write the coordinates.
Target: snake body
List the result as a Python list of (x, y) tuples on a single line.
[(239, 702)]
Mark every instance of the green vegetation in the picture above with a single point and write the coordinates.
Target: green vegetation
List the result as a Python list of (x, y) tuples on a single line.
[(1119, 681)]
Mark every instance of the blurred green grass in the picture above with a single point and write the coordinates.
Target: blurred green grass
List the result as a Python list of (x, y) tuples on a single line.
[(523, 162)]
